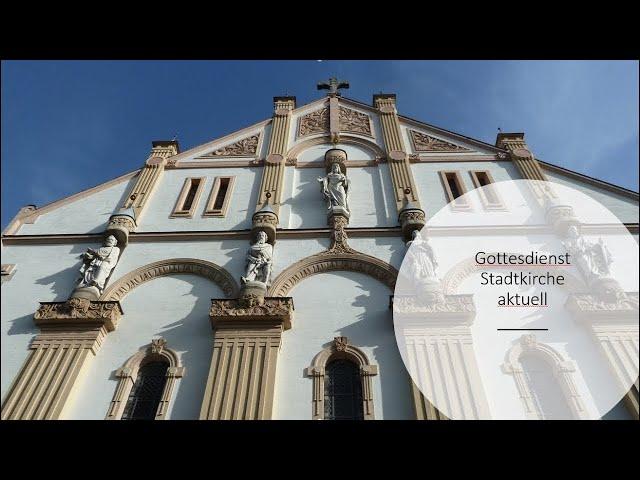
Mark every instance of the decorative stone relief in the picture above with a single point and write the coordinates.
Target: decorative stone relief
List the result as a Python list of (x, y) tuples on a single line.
[(339, 236), (79, 309), (426, 143), (247, 147), (354, 121), (452, 304), (314, 122), (241, 307)]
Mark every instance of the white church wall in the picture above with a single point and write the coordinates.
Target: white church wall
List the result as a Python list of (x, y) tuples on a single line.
[(433, 196), (88, 214), (176, 308), (356, 306), (370, 199), (156, 217), (623, 207), (44, 273)]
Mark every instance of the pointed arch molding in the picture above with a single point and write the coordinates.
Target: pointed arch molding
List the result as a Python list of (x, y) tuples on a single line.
[(327, 262), (175, 266)]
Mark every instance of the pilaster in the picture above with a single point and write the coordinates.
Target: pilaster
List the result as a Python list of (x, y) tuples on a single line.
[(520, 154), (410, 214), (613, 324), (247, 338), (273, 170), (70, 335), (150, 175)]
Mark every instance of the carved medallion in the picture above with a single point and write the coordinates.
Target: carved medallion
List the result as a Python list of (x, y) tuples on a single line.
[(426, 143), (314, 122)]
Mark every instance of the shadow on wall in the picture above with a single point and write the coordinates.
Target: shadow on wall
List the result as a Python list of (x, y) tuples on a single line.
[(374, 329), (63, 282), (192, 337), (308, 207), (378, 205)]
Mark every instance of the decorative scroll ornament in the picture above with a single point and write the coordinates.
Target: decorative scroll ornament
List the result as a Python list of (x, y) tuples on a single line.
[(339, 236), (354, 121), (242, 148), (78, 309), (454, 304), (340, 343), (426, 143), (157, 345), (314, 122)]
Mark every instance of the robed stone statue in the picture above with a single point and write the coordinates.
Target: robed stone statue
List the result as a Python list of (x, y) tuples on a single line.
[(259, 260), (335, 188), (97, 264)]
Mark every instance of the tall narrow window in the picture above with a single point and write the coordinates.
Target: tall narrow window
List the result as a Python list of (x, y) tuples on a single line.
[(342, 388), (546, 394), (188, 199), (488, 194), (342, 391), (146, 393), (220, 197), (454, 189), (145, 383)]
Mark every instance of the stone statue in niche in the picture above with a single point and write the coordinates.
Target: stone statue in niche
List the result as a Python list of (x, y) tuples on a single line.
[(97, 264), (422, 259), (335, 188), (592, 259), (259, 260)]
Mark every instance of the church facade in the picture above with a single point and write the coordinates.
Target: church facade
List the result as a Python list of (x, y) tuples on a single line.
[(249, 277)]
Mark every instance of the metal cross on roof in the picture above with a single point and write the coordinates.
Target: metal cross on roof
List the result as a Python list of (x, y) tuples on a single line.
[(333, 85)]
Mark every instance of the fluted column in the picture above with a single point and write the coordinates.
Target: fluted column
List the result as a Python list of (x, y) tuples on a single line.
[(273, 171), (150, 175), (247, 338), (410, 214), (70, 335)]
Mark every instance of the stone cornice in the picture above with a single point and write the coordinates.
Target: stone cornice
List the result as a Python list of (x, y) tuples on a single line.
[(359, 232)]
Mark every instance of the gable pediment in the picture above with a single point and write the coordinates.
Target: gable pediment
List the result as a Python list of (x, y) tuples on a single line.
[(349, 121)]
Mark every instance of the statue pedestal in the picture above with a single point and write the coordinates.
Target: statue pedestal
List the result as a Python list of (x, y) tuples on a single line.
[(338, 211), (88, 293), (247, 337)]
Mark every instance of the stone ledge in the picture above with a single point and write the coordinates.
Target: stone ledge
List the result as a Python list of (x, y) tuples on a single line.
[(589, 306), (252, 310), (78, 312)]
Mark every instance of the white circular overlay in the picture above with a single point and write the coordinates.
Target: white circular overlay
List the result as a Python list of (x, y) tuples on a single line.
[(519, 300)]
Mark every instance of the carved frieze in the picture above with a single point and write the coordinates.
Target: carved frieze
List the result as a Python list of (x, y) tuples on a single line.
[(80, 309), (354, 121), (314, 122), (244, 308), (452, 304), (588, 303), (247, 147), (426, 143)]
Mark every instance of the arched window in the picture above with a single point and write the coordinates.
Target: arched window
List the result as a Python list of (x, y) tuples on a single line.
[(146, 393), (544, 380), (342, 383), (342, 391), (546, 393), (146, 383)]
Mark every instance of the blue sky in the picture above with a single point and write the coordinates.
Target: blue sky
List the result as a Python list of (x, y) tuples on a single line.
[(68, 126)]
